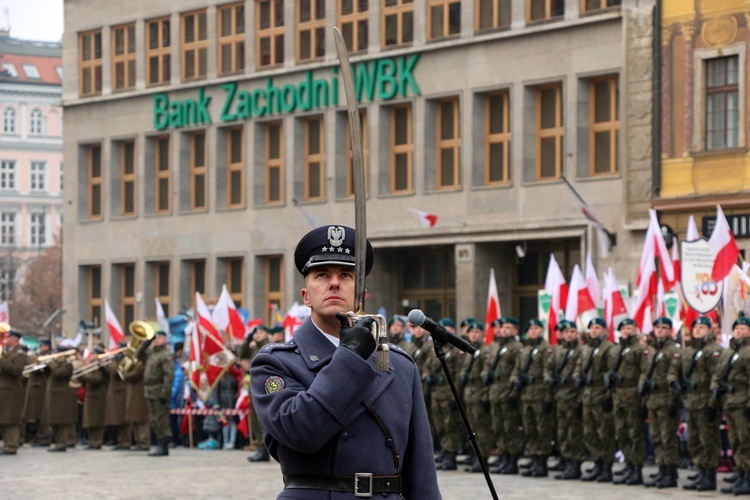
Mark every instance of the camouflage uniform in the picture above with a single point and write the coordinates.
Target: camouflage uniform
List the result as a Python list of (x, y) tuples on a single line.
[(421, 350), (476, 399), (158, 376), (560, 377), (448, 425), (499, 364)]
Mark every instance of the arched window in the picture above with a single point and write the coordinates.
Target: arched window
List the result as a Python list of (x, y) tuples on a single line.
[(9, 121), (37, 122)]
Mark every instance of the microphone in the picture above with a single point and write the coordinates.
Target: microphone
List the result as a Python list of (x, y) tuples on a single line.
[(417, 318)]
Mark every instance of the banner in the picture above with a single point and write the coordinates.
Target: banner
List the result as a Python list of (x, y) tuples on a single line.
[(700, 290)]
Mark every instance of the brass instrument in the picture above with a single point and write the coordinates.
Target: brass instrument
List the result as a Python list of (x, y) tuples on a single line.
[(42, 361), (142, 332), (101, 361)]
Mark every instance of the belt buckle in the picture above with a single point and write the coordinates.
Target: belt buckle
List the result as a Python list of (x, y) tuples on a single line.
[(363, 479)]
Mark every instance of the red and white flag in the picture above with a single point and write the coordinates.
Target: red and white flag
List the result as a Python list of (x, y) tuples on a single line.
[(554, 284), (723, 247), (427, 219), (243, 404), (161, 318), (646, 285), (115, 330), (614, 305), (592, 281), (655, 239), (295, 316), (493, 309), (580, 301), (692, 230), (226, 317), (211, 358)]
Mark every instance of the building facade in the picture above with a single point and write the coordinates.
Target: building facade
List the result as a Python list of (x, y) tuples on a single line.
[(30, 154), (203, 138)]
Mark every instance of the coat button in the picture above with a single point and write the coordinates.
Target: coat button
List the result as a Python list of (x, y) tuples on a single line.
[(345, 436)]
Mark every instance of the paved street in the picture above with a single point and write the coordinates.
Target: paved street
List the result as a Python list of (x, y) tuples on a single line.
[(36, 474)]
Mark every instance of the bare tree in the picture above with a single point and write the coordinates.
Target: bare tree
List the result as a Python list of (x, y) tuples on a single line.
[(40, 292)]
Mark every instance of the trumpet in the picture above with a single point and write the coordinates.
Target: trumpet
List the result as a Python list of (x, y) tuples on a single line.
[(42, 361), (143, 332), (101, 361)]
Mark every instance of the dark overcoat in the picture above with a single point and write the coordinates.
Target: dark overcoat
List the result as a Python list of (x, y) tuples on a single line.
[(114, 412), (61, 398), (11, 389), (136, 409), (96, 397)]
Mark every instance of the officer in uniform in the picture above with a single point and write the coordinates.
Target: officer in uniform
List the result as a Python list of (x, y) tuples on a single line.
[(11, 392), (252, 345), (506, 419), (476, 394), (663, 405), (114, 405), (630, 428), (692, 378), (597, 360), (536, 401), (158, 375), (34, 408), (62, 403), (559, 375), (94, 405), (337, 426), (730, 384)]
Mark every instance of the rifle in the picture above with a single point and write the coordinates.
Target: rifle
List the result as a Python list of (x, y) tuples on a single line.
[(467, 376), (492, 375), (558, 378), (613, 378), (724, 386), (648, 385), (434, 378), (585, 379), (687, 382), (524, 378)]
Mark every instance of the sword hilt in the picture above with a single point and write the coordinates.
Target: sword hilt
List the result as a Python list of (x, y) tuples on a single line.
[(379, 329)]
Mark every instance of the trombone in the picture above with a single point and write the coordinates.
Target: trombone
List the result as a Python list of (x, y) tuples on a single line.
[(42, 361), (101, 361)]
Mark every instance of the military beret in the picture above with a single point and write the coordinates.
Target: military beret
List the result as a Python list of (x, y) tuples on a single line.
[(329, 245), (564, 325), (396, 319), (498, 322), (742, 320), (597, 321), (474, 324), (15, 334), (702, 320), (276, 329), (45, 342), (447, 322), (160, 333), (625, 322), (663, 321), (510, 319), (467, 322), (533, 322)]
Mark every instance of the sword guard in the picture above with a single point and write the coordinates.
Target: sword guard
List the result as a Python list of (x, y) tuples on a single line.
[(379, 329)]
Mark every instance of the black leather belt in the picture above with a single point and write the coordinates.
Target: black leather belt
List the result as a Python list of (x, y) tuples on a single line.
[(361, 484)]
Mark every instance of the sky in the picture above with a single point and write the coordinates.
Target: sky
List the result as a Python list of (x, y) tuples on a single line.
[(40, 20)]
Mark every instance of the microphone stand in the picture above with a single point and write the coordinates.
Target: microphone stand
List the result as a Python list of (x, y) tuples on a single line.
[(471, 435)]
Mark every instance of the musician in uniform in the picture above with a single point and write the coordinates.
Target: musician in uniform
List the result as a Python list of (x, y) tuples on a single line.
[(506, 418), (94, 405), (11, 392), (336, 425), (536, 401), (114, 408), (663, 405), (730, 385), (34, 408), (136, 408), (692, 379), (630, 428), (476, 394), (158, 375), (62, 403), (559, 375)]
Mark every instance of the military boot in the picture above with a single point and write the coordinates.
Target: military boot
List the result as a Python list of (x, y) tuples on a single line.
[(730, 489), (624, 474), (606, 474), (449, 462), (542, 470), (501, 462), (742, 485), (162, 449), (696, 478), (533, 466), (594, 472), (709, 480), (656, 477), (670, 478), (560, 465), (572, 472), (475, 467), (260, 456), (511, 467), (636, 477), (733, 477)]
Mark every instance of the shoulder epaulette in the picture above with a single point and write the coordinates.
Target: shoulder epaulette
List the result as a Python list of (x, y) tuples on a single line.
[(289, 346), (395, 348)]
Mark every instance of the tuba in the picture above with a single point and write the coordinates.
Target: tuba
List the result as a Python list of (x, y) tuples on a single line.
[(142, 332)]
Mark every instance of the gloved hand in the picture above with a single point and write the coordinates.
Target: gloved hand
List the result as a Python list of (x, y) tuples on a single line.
[(357, 338), (580, 382), (746, 413), (711, 412), (547, 407), (517, 384), (578, 410), (677, 389), (608, 405), (672, 410)]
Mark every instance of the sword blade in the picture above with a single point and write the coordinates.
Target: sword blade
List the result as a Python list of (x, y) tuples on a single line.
[(358, 163)]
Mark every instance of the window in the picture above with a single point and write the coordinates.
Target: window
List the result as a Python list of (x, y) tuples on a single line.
[(605, 126), (161, 276), (36, 124), (198, 171), (549, 132), (94, 279), (353, 23), (311, 23), (589, 5), (722, 103), (90, 63), (197, 273), (274, 286), (7, 174), (9, 70), (94, 160), (270, 32), (231, 38), (350, 157), (235, 269), (448, 144), (274, 163), (194, 45), (38, 176), (398, 22), (58, 70), (6, 284), (443, 18), (127, 177), (163, 174), (31, 71), (537, 10), (127, 291), (235, 167), (158, 59), (38, 230), (61, 171), (492, 14), (315, 165), (402, 147), (123, 57), (9, 121), (497, 138), (7, 229)]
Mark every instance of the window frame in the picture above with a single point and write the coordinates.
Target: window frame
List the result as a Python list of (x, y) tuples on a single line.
[(350, 155), (353, 36), (127, 279), (94, 181), (94, 275), (236, 288), (273, 297), (160, 269), (162, 52), (37, 229), (235, 168), (271, 164), (235, 40), (92, 65), (198, 46), (504, 137), (274, 32), (318, 158), (557, 132), (445, 5), (602, 6), (162, 174), (406, 148), (37, 175), (496, 10), (312, 28), (8, 228), (9, 120), (612, 126), (402, 8), (198, 171), (8, 174), (548, 14), (126, 58), (36, 122), (128, 178), (452, 143)]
